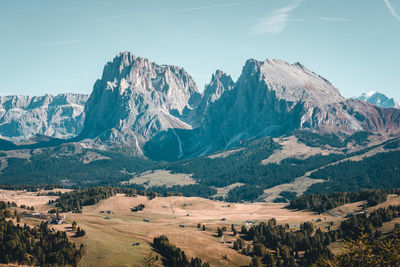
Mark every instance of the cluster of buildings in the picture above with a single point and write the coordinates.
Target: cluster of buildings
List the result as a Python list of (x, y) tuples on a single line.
[(43, 216)]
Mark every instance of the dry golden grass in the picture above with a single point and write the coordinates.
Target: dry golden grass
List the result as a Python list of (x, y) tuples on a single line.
[(391, 200), (291, 147), (162, 177), (29, 198), (110, 242), (223, 191), (299, 186)]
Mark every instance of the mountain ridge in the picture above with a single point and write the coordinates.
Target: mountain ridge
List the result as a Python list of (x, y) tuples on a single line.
[(157, 109)]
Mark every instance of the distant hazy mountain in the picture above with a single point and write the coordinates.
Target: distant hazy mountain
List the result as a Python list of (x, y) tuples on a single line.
[(23, 117), (378, 99)]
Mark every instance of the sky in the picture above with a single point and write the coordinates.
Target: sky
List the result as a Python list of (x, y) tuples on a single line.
[(52, 47)]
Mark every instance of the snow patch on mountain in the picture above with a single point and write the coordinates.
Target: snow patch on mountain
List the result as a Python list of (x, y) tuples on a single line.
[(378, 99)]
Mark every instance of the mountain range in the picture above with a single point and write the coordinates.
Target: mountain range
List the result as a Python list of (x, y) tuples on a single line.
[(157, 110), (24, 117)]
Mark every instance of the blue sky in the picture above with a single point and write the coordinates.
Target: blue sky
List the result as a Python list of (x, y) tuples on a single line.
[(62, 46)]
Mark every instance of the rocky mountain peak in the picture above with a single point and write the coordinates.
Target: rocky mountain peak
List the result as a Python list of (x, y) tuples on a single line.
[(117, 68), (136, 99), (220, 82), (292, 82)]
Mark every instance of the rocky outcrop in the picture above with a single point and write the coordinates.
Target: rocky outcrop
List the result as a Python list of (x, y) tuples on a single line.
[(372, 118), (219, 84), (23, 117)]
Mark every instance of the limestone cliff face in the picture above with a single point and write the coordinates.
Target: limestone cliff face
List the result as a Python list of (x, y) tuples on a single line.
[(157, 109), (60, 116), (273, 97), (136, 99), (219, 84)]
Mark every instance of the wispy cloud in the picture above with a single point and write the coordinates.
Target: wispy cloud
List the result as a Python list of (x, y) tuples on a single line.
[(66, 42), (392, 9), (275, 22), (333, 19), (183, 10)]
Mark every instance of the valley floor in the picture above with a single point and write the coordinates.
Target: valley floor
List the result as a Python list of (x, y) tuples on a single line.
[(110, 240), (112, 229)]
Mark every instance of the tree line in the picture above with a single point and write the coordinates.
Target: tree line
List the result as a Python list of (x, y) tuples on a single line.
[(48, 168), (174, 256), (30, 187), (277, 245), (75, 200), (318, 140), (324, 202), (245, 166)]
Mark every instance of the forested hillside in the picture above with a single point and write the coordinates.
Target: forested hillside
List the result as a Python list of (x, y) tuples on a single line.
[(381, 171), (245, 167), (48, 167), (35, 246), (324, 202), (112, 167)]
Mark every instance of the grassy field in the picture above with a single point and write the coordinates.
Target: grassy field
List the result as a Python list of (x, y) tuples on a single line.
[(109, 241), (291, 147), (299, 186), (162, 177), (224, 191)]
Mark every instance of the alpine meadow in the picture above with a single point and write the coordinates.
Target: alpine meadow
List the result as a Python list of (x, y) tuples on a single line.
[(196, 134)]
